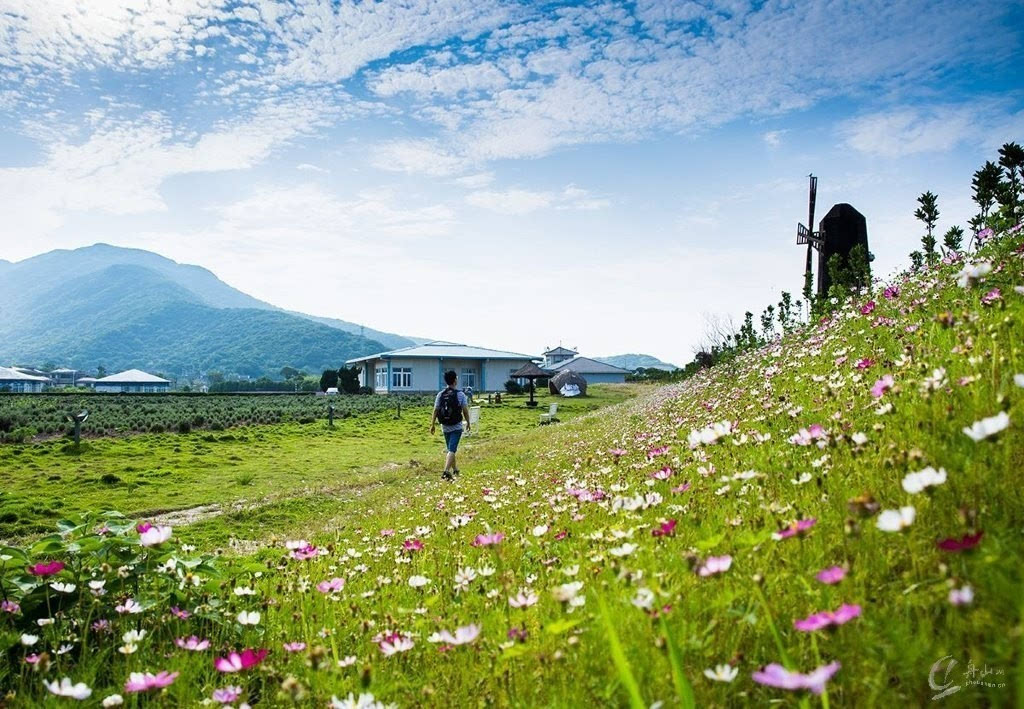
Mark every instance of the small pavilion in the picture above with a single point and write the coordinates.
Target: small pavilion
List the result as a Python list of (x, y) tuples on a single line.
[(531, 372)]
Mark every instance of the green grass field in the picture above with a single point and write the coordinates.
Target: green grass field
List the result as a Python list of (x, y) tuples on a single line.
[(835, 519)]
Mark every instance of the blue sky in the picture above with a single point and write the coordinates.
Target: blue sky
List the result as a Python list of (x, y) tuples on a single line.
[(607, 175)]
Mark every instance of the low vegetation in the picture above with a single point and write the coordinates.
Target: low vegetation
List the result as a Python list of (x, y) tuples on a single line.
[(832, 518)]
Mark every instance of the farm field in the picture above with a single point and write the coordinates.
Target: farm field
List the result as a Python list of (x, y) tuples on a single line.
[(832, 520), (24, 417), (289, 472)]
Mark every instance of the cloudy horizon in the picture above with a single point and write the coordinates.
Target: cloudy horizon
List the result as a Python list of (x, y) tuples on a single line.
[(510, 175)]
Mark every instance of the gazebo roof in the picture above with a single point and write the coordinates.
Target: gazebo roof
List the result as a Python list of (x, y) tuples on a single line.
[(530, 371)]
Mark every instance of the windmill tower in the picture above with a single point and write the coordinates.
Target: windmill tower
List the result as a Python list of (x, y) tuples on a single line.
[(807, 235), (841, 231)]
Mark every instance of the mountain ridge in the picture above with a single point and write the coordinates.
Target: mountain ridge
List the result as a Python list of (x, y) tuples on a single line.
[(633, 361)]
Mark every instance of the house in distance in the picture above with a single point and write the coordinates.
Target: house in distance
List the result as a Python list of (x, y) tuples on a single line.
[(13, 381), (560, 359), (133, 381), (421, 368)]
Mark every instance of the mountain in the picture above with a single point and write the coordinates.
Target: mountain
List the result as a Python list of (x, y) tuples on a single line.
[(633, 362), (27, 280), (126, 308)]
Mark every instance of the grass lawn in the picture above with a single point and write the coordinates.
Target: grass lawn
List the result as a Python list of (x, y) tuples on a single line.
[(267, 478)]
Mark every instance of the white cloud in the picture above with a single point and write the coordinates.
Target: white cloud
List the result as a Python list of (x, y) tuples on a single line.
[(308, 167), (773, 138), (522, 201), (417, 156)]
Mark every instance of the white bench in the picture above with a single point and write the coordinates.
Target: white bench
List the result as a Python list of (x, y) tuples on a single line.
[(474, 419), (550, 415)]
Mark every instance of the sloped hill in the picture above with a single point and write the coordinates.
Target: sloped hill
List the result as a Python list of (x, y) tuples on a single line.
[(633, 362)]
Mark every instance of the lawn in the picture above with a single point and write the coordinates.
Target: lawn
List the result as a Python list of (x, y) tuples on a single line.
[(835, 519)]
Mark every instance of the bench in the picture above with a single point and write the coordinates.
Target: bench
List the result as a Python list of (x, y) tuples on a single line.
[(474, 419), (550, 415)]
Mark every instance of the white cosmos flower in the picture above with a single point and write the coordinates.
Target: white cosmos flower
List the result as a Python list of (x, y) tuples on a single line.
[(61, 587), (540, 530), (644, 598), (114, 700), (990, 426), (722, 673), (859, 439), (249, 618), (961, 596), (154, 536), (567, 591), (133, 636), (363, 701), (624, 550), (804, 478), (28, 640), (972, 272), (66, 688), (244, 591), (418, 581), (1018, 379), (896, 520), (462, 636), (524, 599), (917, 482)]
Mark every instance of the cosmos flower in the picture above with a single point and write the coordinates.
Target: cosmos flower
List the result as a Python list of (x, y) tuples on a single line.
[(524, 599), (972, 272), (412, 545), (462, 636), (60, 587), (154, 536), (643, 599), (882, 385), (67, 688), (130, 606), (865, 363), (980, 430), (966, 542), (867, 308), (236, 662), (145, 681), (192, 643), (722, 673), (798, 527), (113, 700), (625, 549), (179, 613), (46, 568), (227, 695), (993, 296), (831, 575), (824, 619), (394, 643), (294, 647), (418, 581), (961, 596), (775, 675), (665, 529), (363, 701), (9, 607), (714, 565), (487, 540), (248, 618), (332, 586), (891, 292), (917, 482), (896, 520)]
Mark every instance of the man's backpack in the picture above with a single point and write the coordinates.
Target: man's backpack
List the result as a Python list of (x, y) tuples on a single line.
[(449, 412)]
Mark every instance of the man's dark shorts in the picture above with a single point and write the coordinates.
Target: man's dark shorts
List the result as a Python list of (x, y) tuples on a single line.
[(451, 440)]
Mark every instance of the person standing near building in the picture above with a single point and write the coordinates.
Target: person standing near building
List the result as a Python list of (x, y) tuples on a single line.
[(450, 408)]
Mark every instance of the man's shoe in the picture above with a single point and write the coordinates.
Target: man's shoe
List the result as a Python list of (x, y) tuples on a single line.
[(457, 471), (447, 476)]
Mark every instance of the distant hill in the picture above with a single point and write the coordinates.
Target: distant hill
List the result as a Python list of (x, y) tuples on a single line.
[(26, 280), (126, 308), (636, 361)]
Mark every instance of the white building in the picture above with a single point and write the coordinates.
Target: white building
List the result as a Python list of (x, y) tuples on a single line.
[(11, 380), (133, 381), (421, 368), (590, 369)]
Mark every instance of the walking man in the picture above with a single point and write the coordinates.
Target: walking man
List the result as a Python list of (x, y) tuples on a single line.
[(450, 407)]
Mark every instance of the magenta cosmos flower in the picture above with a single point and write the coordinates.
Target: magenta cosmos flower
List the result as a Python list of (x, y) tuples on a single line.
[(882, 385), (891, 292), (306, 552), (487, 540), (412, 545), (46, 568), (775, 675), (831, 575), (867, 308), (662, 474), (665, 529), (332, 586), (865, 363), (238, 661), (968, 541), (145, 681), (824, 619), (655, 452), (798, 527)]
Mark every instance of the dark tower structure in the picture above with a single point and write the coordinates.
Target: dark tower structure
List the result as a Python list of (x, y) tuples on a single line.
[(843, 228)]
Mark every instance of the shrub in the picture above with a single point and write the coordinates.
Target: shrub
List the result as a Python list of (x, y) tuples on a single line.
[(513, 387)]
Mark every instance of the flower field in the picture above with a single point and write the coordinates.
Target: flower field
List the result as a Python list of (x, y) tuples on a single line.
[(834, 519)]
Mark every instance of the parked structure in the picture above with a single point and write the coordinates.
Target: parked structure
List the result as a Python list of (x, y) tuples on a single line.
[(133, 381), (421, 368), (11, 380), (558, 355), (64, 377)]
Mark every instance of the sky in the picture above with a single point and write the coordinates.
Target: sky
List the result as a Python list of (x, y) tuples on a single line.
[(515, 175)]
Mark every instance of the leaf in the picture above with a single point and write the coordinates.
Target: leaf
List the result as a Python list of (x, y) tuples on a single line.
[(709, 543), (14, 553), (515, 651), (636, 700), (561, 626), (683, 687)]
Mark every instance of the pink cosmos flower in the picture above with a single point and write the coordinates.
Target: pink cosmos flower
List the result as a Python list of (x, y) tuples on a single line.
[(655, 452), (143, 682), (192, 643), (714, 565), (32, 659), (891, 292), (101, 626), (238, 661), (561, 535), (865, 363), (393, 643), (294, 647), (795, 528), (462, 636), (840, 361), (678, 490), (663, 474), (984, 234), (9, 607), (665, 529), (617, 453), (823, 619), (882, 385), (387, 532), (46, 568), (227, 695), (303, 553), (991, 297), (143, 527), (867, 308), (154, 536), (332, 586), (831, 575), (487, 540), (179, 613), (968, 541), (775, 675), (412, 545)]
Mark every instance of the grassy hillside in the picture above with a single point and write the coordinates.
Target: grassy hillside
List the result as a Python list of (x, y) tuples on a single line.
[(831, 520)]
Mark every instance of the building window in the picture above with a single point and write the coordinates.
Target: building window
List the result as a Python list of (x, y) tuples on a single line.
[(467, 378), (380, 378), (401, 378)]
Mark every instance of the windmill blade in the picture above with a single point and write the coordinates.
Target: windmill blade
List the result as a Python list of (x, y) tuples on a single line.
[(811, 200)]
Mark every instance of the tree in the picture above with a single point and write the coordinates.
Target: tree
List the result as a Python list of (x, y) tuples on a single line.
[(768, 323), (348, 380), (986, 187), (1011, 159), (291, 373), (101, 372), (953, 240), (215, 377), (916, 261), (329, 379), (928, 214)]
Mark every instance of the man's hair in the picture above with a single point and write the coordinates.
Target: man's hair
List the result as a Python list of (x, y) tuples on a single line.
[(450, 376)]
